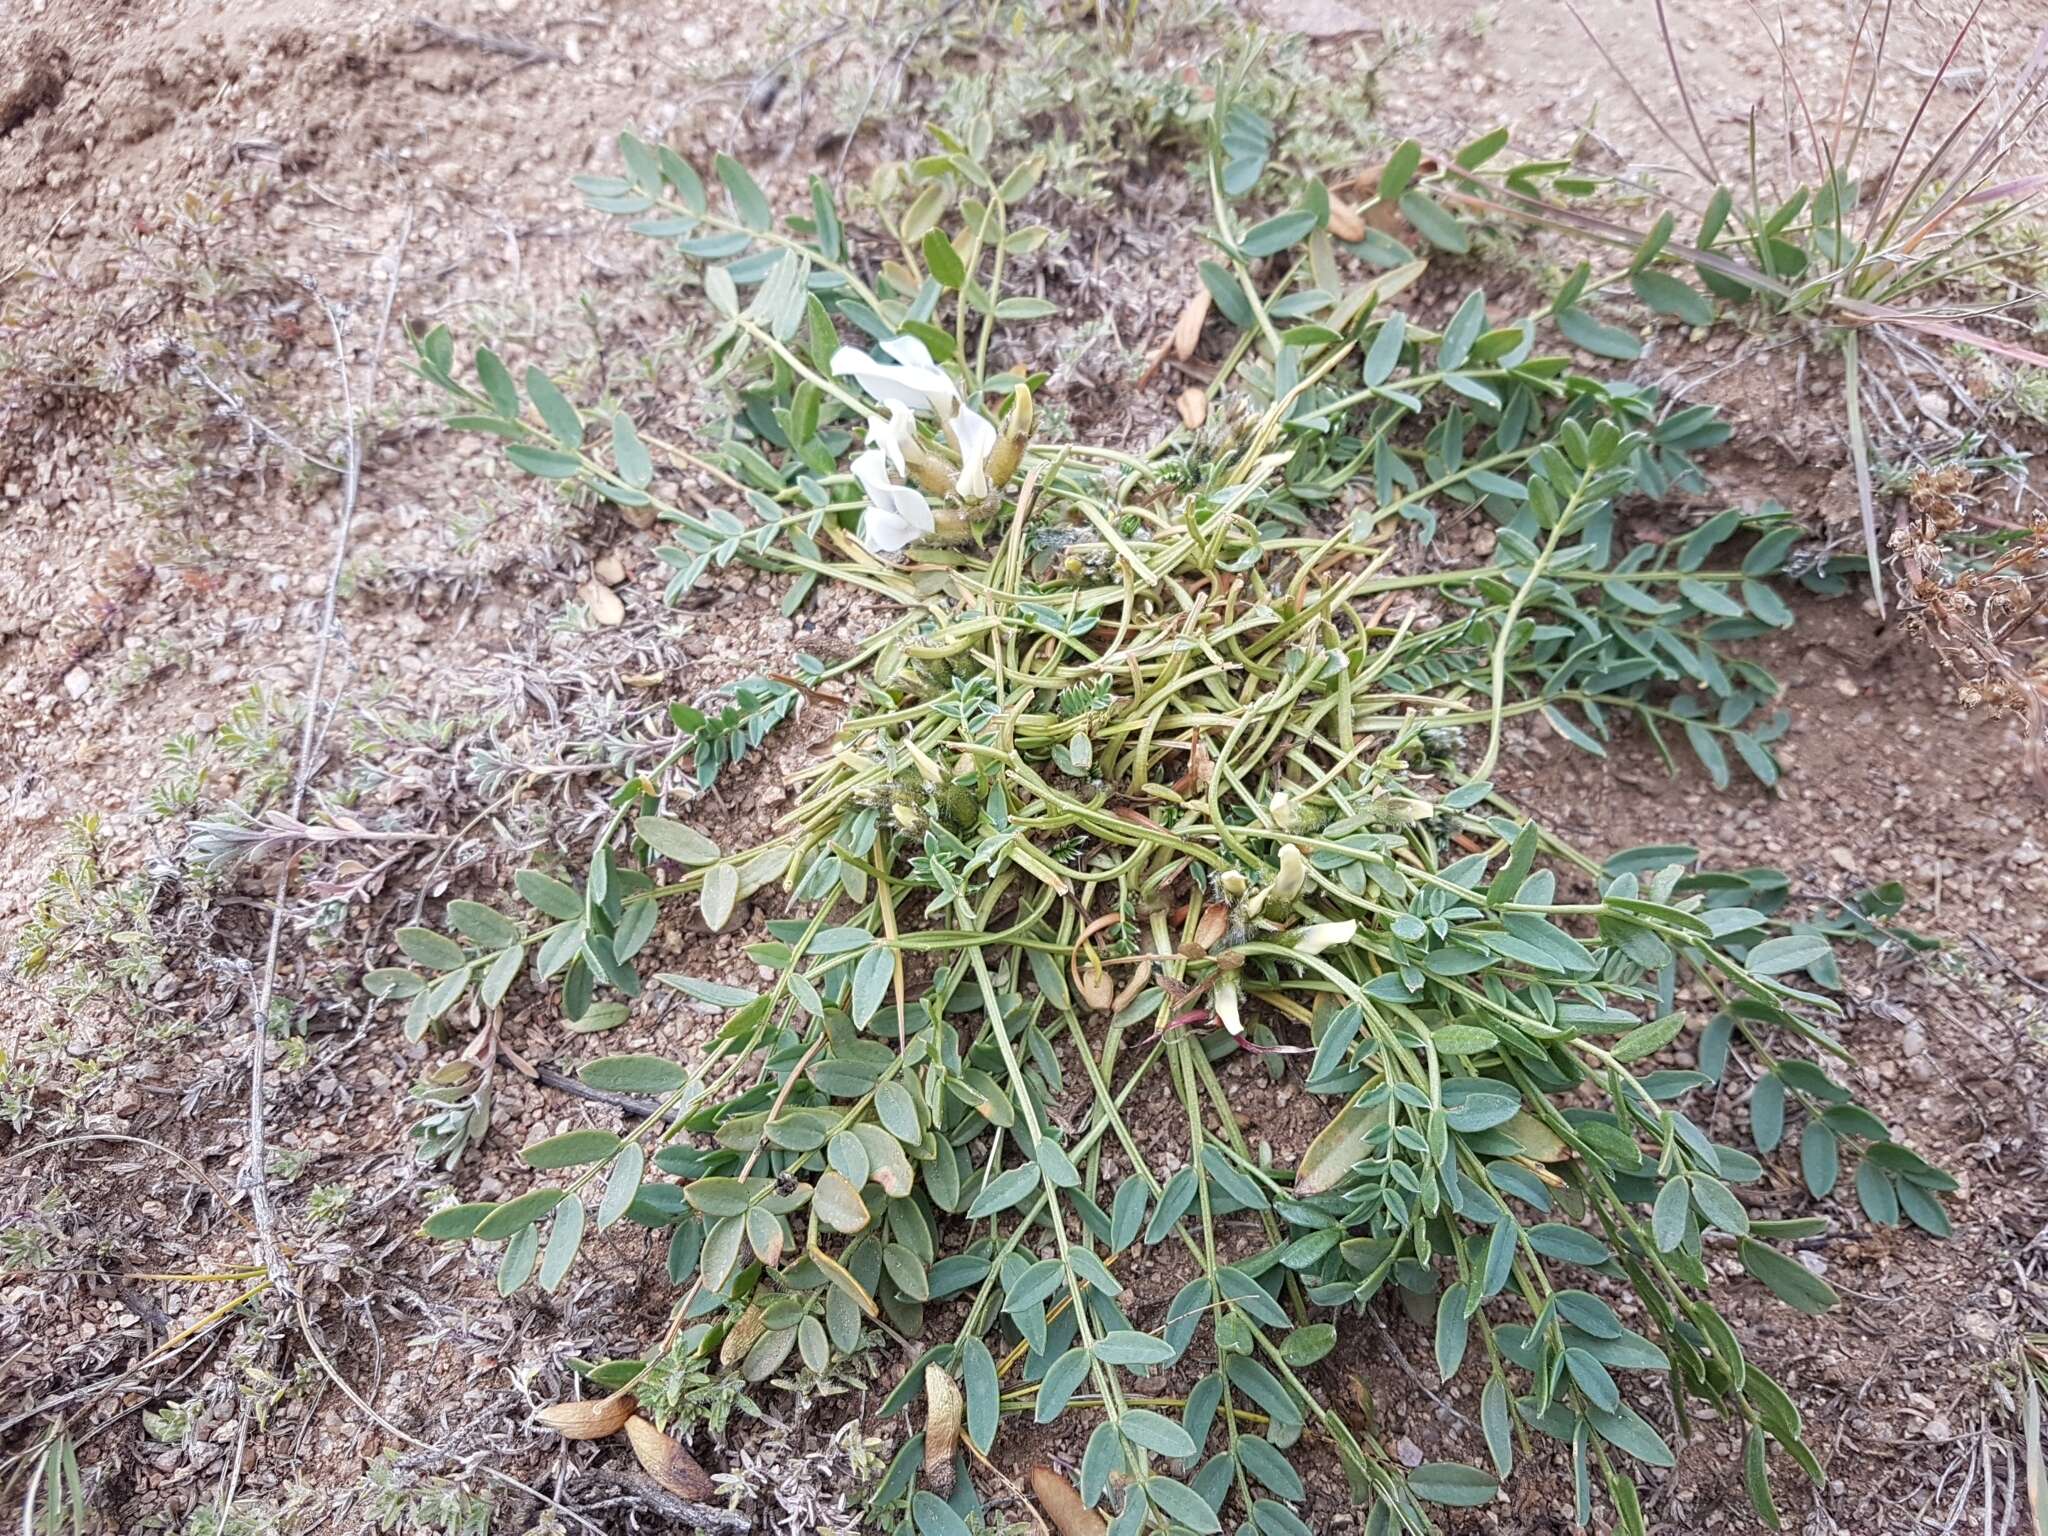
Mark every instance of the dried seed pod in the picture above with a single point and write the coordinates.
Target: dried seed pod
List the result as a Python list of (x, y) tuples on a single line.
[(1214, 923), (1017, 429), (668, 1463), (1345, 222), (1063, 1506), (1193, 406), (942, 1413), (740, 1338), (1095, 987), (591, 1419), (1187, 330)]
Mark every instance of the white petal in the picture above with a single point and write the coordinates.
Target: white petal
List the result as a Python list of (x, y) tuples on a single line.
[(909, 350), (975, 435), (884, 532), (920, 386), (900, 521), (1317, 937), (892, 434), (909, 505), (1293, 873), (1225, 1005), (870, 468), (897, 515)]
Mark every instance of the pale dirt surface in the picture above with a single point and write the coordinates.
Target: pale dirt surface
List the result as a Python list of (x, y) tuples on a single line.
[(190, 190)]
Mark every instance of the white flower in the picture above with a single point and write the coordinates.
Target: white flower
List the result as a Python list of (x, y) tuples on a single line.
[(1226, 1004), (1317, 937), (893, 434), (897, 516), (1293, 874), (975, 436), (913, 379)]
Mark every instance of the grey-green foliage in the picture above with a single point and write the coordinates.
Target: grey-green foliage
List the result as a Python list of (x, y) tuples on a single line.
[(1167, 766)]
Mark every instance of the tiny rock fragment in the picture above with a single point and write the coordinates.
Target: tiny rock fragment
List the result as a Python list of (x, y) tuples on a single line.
[(943, 1409), (603, 603), (638, 517), (1063, 1506), (591, 1419), (1193, 405), (668, 1463), (610, 570)]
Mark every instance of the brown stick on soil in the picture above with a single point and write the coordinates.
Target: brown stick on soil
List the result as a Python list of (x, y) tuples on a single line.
[(641, 1489)]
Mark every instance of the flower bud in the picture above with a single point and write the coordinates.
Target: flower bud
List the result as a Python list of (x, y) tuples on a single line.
[(1017, 427), (1317, 937), (1293, 873), (931, 473)]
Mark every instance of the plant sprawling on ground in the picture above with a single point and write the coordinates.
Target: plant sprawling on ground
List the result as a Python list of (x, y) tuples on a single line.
[(1163, 759)]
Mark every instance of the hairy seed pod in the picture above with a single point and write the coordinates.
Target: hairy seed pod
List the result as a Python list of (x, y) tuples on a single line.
[(668, 1463), (740, 1338), (1063, 1506), (941, 1430), (592, 1418), (1017, 429), (1187, 330)]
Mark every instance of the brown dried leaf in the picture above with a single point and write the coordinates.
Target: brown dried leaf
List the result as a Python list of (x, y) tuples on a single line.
[(1214, 922), (1063, 1506), (668, 1463), (1346, 223), (1131, 988), (1193, 405), (943, 1410), (591, 1419), (1187, 330), (740, 1337), (1095, 987)]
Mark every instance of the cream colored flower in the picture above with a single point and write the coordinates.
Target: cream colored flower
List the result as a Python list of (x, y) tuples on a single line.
[(897, 516), (975, 436), (912, 379), (1317, 937), (1224, 1003), (895, 435)]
